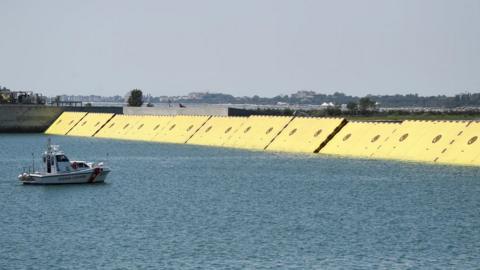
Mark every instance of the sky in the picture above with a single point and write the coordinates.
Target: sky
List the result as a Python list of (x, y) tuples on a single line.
[(242, 47)]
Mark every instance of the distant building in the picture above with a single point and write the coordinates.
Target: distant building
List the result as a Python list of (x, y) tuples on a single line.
[(21, 97), (325, 105), (196, 95), (304, 95)]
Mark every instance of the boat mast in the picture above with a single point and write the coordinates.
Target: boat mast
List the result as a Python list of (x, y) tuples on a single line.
[(49, 145)]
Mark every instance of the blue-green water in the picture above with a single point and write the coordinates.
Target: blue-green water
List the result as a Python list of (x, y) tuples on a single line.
[(186, 207)]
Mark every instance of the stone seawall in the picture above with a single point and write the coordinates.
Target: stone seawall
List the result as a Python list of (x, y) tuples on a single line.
[(37, 118), (27, 118)]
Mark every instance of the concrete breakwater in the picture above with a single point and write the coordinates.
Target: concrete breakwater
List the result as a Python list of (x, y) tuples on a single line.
[(37, 118), (27, 118), (443, 142)]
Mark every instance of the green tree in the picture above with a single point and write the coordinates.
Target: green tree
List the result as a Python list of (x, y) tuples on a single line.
[(352, 106), (333, 111), (136, 98), (366, 104)]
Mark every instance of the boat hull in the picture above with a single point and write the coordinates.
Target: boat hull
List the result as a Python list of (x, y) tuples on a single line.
[(83, 177)]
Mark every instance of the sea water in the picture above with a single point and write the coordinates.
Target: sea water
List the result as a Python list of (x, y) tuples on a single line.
[(167, 206)]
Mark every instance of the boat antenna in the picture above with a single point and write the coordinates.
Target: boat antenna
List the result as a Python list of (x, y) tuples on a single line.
[(49, 144), (33, 161)]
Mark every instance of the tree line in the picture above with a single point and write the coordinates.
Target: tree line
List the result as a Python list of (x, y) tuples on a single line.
[(312, 98)]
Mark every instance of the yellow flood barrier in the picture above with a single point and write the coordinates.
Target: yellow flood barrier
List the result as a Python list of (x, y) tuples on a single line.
[(257, 132), (438, 136), (114, 128), (129, 126), (90, 124), (134, 127), (217, 130), (146, 127), (359, 139), (180, 129), (232, 134), (463, 148), (402, 138), (419, 140), (306, 134), (65, 122)]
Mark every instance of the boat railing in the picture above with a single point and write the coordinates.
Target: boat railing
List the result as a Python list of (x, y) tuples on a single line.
[(27, 169)]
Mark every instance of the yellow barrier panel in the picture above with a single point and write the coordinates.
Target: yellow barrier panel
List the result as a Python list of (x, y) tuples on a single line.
[(372, 139), (418, 147), (129, 125), (447, 135), (156, 125), (216, 131), (437, 138), (113, 128), (65, 122), (133, 127), (403, 139), (257, 132), (359, 139), (233, 134), (145, 127), (419, 140), (90, 124), (464, 148), (136, 123), (180, 129), (305, 134)]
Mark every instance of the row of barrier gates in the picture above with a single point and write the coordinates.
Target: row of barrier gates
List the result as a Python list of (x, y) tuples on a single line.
[(445, 142)]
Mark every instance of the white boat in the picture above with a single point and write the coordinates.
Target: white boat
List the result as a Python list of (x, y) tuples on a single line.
[(58, 169)]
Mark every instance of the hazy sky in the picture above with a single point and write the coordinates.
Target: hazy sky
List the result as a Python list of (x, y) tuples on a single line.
[(241, 47)]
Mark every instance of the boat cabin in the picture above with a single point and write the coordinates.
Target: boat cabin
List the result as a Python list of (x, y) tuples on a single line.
[(55, 161)]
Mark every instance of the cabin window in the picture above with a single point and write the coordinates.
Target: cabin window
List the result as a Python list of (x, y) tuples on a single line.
[(62, 158), (49, 164)]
